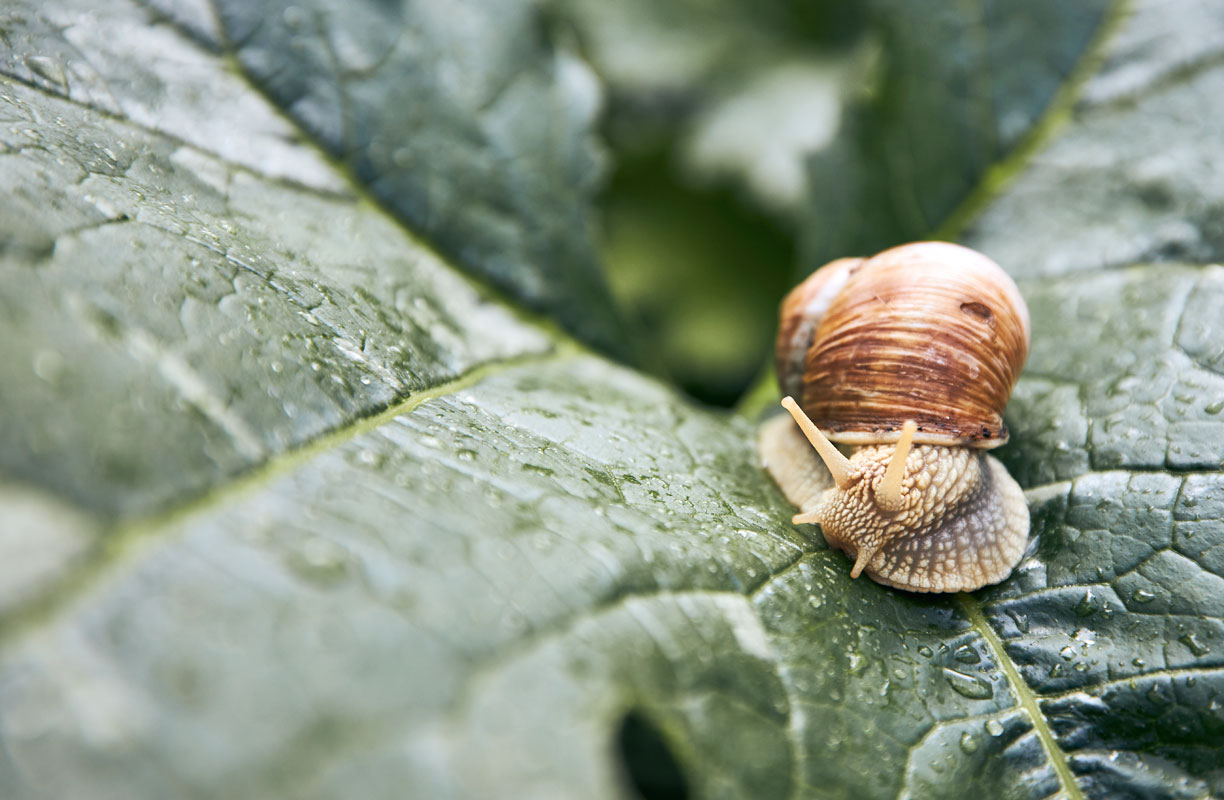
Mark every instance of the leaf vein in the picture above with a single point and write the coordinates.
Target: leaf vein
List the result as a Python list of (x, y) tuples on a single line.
[(1026, 697)]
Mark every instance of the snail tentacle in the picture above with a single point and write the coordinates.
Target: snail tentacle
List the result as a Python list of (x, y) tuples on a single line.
[(888, 493), (862, 559), (839, 466)]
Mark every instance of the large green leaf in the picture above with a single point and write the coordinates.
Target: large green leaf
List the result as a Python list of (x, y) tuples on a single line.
[(961, 85), (294, 509), (463, 118)]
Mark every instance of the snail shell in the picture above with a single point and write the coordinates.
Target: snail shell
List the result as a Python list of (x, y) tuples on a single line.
[(911, 356), (932, 332)]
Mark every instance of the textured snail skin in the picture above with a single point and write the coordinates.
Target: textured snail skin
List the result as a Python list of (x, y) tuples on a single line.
[(963, 523), (910, 356)]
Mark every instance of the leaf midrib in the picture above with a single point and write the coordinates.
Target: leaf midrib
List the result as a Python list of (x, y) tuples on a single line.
[(127, 537), (1024, 695), (1057, 115)]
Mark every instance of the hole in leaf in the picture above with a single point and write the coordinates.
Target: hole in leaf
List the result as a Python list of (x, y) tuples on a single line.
[(650, 766)]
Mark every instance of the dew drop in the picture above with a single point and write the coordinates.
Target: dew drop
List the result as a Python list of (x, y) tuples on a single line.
[(320, 561), (925, 651), (1086, 636), (968, 742), (968, 685), (370, 457), (48, 365), (1142, 596), (1154, 695), (1194, 645), (1089, 604), (994, 727), (966, 654)]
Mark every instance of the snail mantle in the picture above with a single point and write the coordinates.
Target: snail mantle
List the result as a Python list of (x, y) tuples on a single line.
[(908, 358)]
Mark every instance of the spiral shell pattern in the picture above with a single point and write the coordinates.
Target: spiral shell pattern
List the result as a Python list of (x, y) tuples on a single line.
[(932, 332)]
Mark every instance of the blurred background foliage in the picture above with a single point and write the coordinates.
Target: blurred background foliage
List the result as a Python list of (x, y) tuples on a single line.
[(752, 143)]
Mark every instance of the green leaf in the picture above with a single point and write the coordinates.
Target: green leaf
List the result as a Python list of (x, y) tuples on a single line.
[(469, 123), (960, 87), (295, 509), (1141, 158), (173, 318)]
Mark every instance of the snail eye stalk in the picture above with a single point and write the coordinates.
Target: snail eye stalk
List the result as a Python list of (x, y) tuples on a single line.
[(888, 493), (839, 465)]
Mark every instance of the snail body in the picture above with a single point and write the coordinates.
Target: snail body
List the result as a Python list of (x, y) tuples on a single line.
[(910, 357)]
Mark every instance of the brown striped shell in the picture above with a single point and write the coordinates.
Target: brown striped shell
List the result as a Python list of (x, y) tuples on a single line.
[(931, 331)]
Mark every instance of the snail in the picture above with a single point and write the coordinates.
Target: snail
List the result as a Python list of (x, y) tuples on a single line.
[(909, 357)]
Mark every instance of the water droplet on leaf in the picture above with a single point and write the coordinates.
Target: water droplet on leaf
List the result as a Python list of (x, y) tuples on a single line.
[(320, 561), (1194, 645), (1089, 604), (1142, 596), (968, 686), (1155, 695)]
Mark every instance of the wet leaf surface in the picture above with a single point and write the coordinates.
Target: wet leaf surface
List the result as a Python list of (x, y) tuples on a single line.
[(291, 507)]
